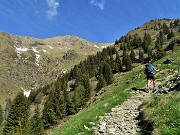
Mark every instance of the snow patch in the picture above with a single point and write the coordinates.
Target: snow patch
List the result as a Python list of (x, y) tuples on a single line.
[(95, 46), (104, 46), (20, 50), (34, 49), (37, 59), (50, 46), (44, 50), (26, 93), (37, 55)]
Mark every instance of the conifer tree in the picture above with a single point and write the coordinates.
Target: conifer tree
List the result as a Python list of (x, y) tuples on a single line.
[(112, 63), (124, 55), (128, 63), (79, 97), (141, 55), (132, 56), (118, 62), (161, 38), (107, 73), (70, 107), (87, 86), (49, 116), (36, 123), (171, 25), (17, 119), (170, 35), (59, 104), (101, 82), (116, 42), (150, 55), (146, 42), (165, 29), (136, 41)]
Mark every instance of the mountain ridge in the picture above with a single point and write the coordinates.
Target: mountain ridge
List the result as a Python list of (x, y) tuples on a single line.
[(30, 63)]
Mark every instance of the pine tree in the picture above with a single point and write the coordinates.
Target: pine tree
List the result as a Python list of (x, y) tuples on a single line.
[(165, 29), (128, 63), (124, 55), (150, 55), (118, 62), (171, 25), (79, 97), (70, 107), (87, 86), (17, 119), (136, 41), (101, 82), (116, 42), (49, 116), (141, 55), (146, 42), (107, 73), (36, 123), (1, 115), (132, 56), (59, 104), (161, 38), (112, 63), (170, 35)]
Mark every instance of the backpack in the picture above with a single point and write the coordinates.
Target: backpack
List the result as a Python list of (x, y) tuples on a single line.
[(148, 69)]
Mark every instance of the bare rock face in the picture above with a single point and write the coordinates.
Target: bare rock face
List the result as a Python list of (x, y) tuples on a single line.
[(70, 55), (123, 118)]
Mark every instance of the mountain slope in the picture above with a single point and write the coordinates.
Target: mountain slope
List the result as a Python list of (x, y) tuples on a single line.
[(28, 63), (132, 79), (116, 93)]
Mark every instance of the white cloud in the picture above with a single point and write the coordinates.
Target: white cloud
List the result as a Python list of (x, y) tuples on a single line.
[(98, 3), (52, 11)]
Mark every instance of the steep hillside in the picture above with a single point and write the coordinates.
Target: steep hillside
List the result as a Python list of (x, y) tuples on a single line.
[(28, 63), (106, 116), (155, 40)]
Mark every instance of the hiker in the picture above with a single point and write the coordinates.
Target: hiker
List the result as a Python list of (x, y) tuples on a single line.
[(149, 71)]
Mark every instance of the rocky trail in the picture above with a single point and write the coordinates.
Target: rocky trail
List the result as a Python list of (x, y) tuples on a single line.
[(123, 118)]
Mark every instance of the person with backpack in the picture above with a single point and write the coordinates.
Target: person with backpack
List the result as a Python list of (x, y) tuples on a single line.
[(149, 71)]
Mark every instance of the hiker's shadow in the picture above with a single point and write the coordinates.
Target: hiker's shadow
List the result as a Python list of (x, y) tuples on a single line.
[(140, 89)]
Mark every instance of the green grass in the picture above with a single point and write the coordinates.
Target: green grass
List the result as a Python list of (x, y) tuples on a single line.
[(114, 95), (117, 93), (165, 112)]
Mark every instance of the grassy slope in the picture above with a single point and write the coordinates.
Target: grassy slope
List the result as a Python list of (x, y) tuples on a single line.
[(165, 110), (115, 94)]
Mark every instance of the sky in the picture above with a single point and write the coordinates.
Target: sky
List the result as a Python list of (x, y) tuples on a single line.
[(94, 20)]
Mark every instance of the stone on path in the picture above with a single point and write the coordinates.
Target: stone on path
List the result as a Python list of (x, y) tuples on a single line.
[(122, 119)]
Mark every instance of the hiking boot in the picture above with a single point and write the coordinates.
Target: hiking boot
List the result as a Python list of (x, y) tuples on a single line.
[(147, 90)]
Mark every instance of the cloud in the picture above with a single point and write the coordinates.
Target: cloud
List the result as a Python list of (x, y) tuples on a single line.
[(52, 8), (98, 3)]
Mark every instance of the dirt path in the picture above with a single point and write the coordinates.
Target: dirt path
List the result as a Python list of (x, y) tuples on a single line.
[(122, 119)]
